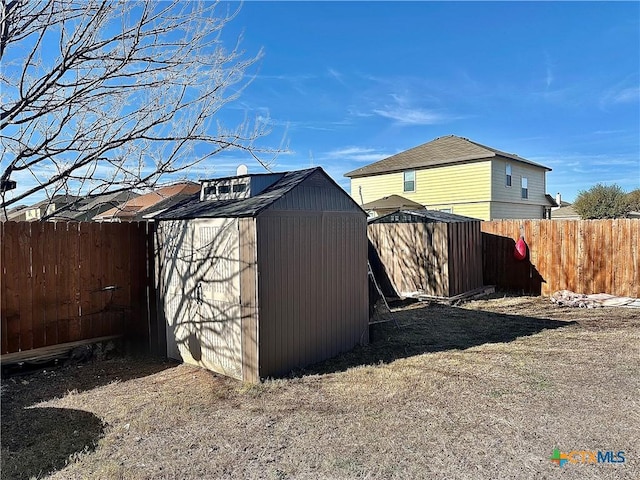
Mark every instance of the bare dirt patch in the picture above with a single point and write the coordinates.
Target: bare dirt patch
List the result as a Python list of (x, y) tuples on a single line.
[(485, 390)]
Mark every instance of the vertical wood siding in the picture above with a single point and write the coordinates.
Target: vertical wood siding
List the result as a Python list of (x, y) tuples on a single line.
[(588, 256), (63, 282), (439, 259), (312, 284)]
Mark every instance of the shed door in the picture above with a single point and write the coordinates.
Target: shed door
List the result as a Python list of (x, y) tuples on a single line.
[(175, 245), (216, 272)]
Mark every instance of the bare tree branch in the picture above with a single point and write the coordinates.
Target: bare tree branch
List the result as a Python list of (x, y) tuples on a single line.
[(108, 95)]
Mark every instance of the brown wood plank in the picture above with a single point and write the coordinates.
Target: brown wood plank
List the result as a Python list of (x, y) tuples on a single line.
[(615, 253), (12, 286), (73, 247), (544, 255), (25, 287), (63, 273), (4, 335), (86, 287), (115, 313), (134, 318), (96, 275), (628, 232), (50, 265), (39, 292), (50, 351), (632, 242), (608, 227)]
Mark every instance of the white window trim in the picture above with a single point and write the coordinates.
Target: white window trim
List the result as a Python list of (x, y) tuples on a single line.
[(523, 188), (508, 168), (404, 181)]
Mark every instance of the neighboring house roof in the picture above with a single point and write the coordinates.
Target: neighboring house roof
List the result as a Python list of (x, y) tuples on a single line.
[(193, 207), (15, 214), (563, 213), (94, 205), (441, 151), (57, 200), (164, 205), (422, 216), (133, 209), (392, 201)]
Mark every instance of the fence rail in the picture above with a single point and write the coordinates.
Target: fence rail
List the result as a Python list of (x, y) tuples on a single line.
[(588, 256), (64, 282)]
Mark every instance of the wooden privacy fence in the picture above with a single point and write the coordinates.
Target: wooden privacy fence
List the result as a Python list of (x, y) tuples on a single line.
[(586, 256), (64, 282)]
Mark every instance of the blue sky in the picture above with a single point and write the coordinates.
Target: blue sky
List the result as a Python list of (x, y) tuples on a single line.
[(347, 84), (352, 83)]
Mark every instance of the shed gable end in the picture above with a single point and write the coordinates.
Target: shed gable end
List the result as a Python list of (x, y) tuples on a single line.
[(317, 193)]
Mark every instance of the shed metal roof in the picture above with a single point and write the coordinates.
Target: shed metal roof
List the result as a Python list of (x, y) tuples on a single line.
[(422, 216), (441, 151)]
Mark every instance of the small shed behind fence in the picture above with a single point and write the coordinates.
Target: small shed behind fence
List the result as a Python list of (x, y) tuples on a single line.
[(261, 274), (429, 252)]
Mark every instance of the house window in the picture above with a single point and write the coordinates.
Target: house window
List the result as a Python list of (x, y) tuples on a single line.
[(239, 187), (224, 189), (508, 175), (410, 181), (210, 190), (525, 187)]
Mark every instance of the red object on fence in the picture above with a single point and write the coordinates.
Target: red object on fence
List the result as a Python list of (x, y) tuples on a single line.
[(520, 251)]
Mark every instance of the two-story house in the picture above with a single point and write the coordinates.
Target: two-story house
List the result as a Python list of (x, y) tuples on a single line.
[(455, 175)]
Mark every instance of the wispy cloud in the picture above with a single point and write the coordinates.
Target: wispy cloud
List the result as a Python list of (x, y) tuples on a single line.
[(412, 116), (336, 75), (354, 154), (625, 91), (626, 95), (549, 76)]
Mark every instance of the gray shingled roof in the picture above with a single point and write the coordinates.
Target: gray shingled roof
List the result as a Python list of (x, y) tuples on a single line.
[(422, 216), (193, 207), (441, 151)]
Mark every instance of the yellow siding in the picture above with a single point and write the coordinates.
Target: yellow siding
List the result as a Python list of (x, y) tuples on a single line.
[(368, 189), (469, 182), (480, 210), (451, 184)]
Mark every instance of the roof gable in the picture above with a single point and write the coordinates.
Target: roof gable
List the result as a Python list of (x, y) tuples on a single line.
[(441, 151), (392, 201)]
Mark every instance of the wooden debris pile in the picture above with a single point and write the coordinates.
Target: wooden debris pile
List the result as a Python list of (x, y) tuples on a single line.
[(567, 298)]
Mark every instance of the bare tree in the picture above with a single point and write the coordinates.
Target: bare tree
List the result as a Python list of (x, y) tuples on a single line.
[(111, 95)]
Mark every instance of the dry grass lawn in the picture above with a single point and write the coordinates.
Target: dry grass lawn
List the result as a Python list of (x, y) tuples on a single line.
[(484, 390)]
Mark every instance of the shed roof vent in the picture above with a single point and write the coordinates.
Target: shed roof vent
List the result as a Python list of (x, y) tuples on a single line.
[(238, 187)]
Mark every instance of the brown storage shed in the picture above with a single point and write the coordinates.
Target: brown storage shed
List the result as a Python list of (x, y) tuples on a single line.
[(429, 252), (261, 274)]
